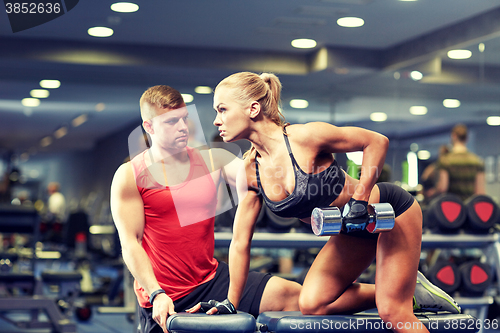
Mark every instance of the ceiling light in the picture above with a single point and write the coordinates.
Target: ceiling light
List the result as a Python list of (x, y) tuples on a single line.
[(481, 47), (493, 120), (46, 141), (451, 103), (203, 90), (100, 107), (416, 75), (378, 116), (30, 102), (50, 84), (459, 54), (299, 103), (418, 110), (188, 98), (423, 155), (79, 120), (39, 93), (124, 7), (304, 43), (100, 32), (61, 132), (350, 22)]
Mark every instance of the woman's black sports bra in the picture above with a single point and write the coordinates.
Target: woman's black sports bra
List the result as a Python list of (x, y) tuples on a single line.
[(311, 190)]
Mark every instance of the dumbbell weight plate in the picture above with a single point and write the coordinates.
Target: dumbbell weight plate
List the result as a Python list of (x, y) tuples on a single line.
[(445, 275), (476, 277), (382, 217), (446, 213), (326, 221), (482, 213)]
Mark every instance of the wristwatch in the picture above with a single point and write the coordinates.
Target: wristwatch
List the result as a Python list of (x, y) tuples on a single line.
[(154, 294)]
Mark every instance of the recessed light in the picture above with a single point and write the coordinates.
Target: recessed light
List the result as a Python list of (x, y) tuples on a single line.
[(451, 103), (39, 93), (100, 32), (46, 141), (459, 54), (50, 84), (203, 90), (30, 102), (100, 107), (124, 7), (304, 43), (299, 103), (188, 98), (79, 120), (350, 22), (423, 155), (61, 132), (418, 110), (493, 121), (378, 116), (416, 75), (481, 47)]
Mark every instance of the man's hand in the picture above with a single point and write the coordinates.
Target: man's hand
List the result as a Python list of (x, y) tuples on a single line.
[(163, 306), (214, 307)]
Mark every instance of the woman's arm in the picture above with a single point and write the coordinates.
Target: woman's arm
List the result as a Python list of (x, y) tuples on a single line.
[(250, 203), (329, 138)]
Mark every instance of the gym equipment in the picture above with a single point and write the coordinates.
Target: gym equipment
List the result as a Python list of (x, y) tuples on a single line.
[(202, 323), (328, 221), (294, 321), (482, 213), (476, 278), (445, 214), (25, 220), (445, 275)]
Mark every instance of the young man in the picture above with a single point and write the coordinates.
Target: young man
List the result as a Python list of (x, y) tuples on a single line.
[(163, 204), (461, 172)]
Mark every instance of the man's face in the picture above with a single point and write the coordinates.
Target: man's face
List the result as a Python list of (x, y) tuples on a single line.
[(169, 129)]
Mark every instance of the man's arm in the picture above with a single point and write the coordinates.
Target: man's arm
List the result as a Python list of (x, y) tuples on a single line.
[(127, 209), (480, 187), (443, 182)]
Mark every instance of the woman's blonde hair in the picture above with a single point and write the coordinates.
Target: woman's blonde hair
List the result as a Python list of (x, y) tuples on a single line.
[(264, 88)]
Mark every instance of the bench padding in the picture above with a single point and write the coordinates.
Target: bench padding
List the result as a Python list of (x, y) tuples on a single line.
[(199, 322), (293, 322)]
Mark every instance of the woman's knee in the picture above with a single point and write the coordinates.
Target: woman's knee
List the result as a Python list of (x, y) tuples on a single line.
[(281, 295), (309, 305), (392, 312)]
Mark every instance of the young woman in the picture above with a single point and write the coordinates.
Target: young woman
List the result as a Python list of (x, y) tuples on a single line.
[(292, 169)]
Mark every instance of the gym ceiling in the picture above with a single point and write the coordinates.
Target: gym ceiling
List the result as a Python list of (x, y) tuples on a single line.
[(351, 73)]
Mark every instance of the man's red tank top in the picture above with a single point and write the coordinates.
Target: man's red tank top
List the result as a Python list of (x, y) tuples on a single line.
[(179, 228)]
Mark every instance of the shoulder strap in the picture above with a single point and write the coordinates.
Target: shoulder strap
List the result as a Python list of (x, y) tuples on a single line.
[(211, 159), (285, 135)]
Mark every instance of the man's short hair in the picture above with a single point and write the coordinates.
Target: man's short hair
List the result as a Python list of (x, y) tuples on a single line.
[(460, 132), (161, 96)]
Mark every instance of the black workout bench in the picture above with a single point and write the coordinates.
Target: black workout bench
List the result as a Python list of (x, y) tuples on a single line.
[(292, 322)]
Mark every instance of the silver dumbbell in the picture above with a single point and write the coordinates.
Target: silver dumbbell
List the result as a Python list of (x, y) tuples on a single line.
[(329, 221)]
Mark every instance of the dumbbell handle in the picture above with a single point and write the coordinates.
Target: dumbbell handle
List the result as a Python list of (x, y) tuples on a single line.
[(329, 221)]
